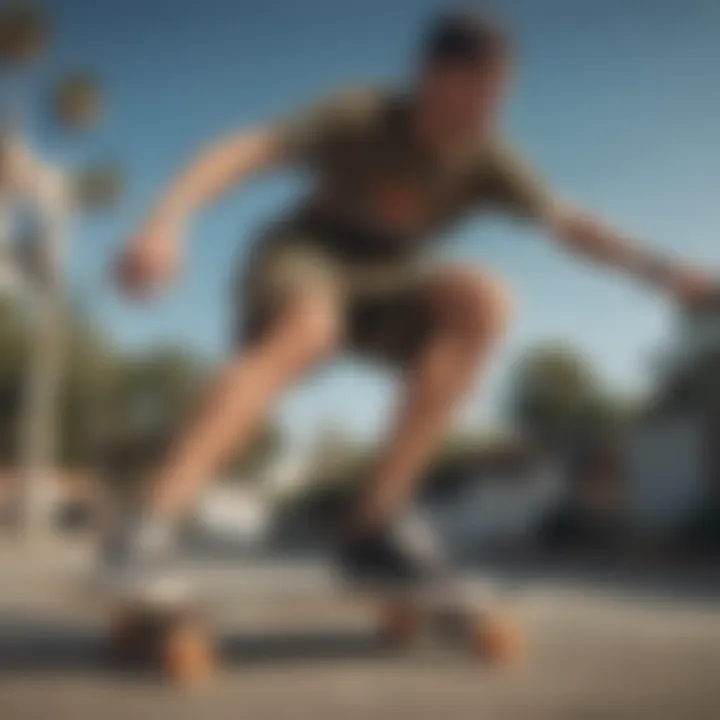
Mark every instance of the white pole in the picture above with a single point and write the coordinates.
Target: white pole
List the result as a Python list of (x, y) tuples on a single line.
[(10, 169), (7, 285), (47, 188), (45, 376)]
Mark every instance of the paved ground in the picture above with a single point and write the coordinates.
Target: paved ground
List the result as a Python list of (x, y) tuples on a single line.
[(594, 653)]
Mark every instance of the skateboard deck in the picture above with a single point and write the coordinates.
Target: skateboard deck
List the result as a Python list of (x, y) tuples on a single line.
[(166, 627)]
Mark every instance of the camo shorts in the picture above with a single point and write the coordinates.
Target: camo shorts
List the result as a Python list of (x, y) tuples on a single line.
[(382, 303)]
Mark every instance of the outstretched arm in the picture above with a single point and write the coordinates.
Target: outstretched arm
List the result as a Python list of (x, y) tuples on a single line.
[(581, 233), (214, 171), (153, 252), (516, 187)]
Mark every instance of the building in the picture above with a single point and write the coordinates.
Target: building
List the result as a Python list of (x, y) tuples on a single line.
[(674, 457), (504, 508)]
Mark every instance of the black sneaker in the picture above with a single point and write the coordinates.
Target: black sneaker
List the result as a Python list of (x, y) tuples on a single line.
[(405, 554)]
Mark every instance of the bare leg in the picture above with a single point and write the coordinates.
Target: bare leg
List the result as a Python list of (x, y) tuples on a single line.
[(471, 315), (238, 401)]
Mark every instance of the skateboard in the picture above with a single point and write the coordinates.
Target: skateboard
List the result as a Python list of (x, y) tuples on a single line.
[(480, 633), (171, 635)]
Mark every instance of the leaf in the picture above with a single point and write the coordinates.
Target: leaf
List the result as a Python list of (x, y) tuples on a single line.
[(77, 102), (99, 187), (23, 33)]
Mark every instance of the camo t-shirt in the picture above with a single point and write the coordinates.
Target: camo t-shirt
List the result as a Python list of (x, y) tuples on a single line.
[(374, 178)]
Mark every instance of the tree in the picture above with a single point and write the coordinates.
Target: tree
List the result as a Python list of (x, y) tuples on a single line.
[(13, 356), (77, 104), (23, 33), (555, 395), (98, 187), (151, 392), (141, 403), (136, 403), (77, 101)]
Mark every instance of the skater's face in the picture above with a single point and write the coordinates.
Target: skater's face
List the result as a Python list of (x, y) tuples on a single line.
[(464, 98)]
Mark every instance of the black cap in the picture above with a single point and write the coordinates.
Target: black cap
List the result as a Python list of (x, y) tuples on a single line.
[(465, 37)]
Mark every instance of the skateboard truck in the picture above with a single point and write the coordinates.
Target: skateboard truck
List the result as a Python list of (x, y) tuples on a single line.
[(169, 635), (485, 635)]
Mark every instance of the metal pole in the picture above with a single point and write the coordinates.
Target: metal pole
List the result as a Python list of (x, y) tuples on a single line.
[(46, 186)]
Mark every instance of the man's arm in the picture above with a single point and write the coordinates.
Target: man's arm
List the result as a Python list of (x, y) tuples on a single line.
[(153, 253), (221, 166), (517, 188), (581, 233)]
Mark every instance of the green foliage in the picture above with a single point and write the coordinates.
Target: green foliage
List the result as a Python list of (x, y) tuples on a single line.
[(557, 399), (100, 403), (77, 101), (137, 402), (98, 187), (13, 356), (117, 410), (23, 33)]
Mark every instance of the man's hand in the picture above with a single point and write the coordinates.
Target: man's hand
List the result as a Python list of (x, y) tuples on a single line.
[(694, 289), (584, 234), (150, 260), (152, 257)]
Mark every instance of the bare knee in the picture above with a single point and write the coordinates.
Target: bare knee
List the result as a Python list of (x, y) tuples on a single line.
[(475, 305)]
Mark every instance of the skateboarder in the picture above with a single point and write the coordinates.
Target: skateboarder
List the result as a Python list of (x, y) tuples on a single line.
[(346, 270)]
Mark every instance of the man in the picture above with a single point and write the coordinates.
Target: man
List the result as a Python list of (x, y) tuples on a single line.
[(344, 271)]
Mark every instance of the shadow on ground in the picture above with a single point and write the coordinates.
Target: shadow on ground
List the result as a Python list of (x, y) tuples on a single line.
[(621, 578), (38, 645)]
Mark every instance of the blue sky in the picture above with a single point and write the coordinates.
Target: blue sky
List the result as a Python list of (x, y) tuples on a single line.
[(617, 102)]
